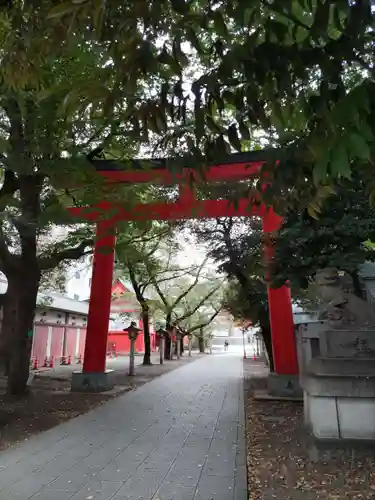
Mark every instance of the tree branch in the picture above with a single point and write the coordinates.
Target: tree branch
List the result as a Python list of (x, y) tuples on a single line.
[(206, 323), (161, 294), (73, 253), (200, 304), (134, 282), (188, 290), (7, 191)]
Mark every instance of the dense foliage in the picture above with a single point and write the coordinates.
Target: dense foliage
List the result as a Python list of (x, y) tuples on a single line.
[(168, 292), (59, 102), (300, 70), (236, 246), (336, 237)]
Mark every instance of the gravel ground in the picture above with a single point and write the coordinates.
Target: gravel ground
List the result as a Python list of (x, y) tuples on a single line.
[(283, 462)]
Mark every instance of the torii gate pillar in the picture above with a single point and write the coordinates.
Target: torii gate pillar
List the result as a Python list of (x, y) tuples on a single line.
[(284, 381), (94, 376)]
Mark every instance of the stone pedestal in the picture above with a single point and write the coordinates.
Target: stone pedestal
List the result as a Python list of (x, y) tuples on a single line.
[(92, 382), (339, 397), (308, 342), (339, 387)]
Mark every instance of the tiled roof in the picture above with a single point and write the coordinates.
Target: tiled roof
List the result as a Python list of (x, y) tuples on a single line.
[(53, 300), (367, 270), (369, 286)]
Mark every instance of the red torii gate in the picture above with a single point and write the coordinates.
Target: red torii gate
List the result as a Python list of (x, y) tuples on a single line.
[(236, 167)]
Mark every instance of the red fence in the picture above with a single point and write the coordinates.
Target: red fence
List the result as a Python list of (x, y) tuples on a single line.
[(57, 341), (118, 342)]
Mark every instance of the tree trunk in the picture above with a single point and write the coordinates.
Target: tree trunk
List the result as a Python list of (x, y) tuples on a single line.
[(357, 284), (167, 347), (201, 345), (167, 342), (5, 336), (201, 342), (182, 346), (267, 338), (146, 332), (19, 312)]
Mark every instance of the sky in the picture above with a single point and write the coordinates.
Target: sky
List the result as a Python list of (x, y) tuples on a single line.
[(192, 252)]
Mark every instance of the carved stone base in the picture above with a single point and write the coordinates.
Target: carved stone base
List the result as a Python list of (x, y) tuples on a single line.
[(92, 382), (284, 385)]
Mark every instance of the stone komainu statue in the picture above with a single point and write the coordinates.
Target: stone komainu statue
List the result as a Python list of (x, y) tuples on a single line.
[(340, 305)]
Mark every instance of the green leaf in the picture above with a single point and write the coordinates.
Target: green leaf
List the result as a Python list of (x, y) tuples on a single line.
[(244, 131), (193, 39), (166, 58), (61, 10), (212, 125), (320, 25), (178, 54), (358, 146), (199, 123), (180, 6), (312, 212), (339, 164), (300, 34), (4, 144), (366, 132), (276, 29), (222, 146), (233, 137), (320, 170), (219, 23)]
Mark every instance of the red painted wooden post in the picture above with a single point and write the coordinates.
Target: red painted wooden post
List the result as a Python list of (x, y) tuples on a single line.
[(100, 299), (281, 314)]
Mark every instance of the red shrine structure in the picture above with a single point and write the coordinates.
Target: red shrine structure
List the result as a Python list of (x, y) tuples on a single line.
[(124, 301), (234, 168)]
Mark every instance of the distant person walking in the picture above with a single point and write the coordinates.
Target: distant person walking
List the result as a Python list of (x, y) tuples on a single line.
[(226, 345)]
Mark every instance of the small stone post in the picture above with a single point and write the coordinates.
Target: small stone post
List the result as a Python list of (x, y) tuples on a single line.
[(162, 334), (210, 337), (172, 336), (132, 332), (190, 337)]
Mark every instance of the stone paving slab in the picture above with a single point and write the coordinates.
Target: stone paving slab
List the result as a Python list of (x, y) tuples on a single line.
[(179, 437)]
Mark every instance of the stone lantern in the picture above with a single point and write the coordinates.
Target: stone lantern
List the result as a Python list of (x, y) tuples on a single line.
[(210, 337), (133, 331), (162, 335), (190, 337)]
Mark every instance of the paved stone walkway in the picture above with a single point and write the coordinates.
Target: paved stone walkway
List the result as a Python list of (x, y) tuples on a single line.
[(178, 437)]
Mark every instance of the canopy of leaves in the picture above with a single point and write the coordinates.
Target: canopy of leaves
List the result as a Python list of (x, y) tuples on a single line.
[(60, 100), (237, 247), (300, 70), (174, 293), (195, 302), (335, 238)]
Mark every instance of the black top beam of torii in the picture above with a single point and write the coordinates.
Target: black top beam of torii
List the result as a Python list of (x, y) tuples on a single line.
[(103, 165)]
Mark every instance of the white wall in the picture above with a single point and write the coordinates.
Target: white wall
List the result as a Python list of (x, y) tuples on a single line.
[(79, 273), (119, 323), (78, 281)]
